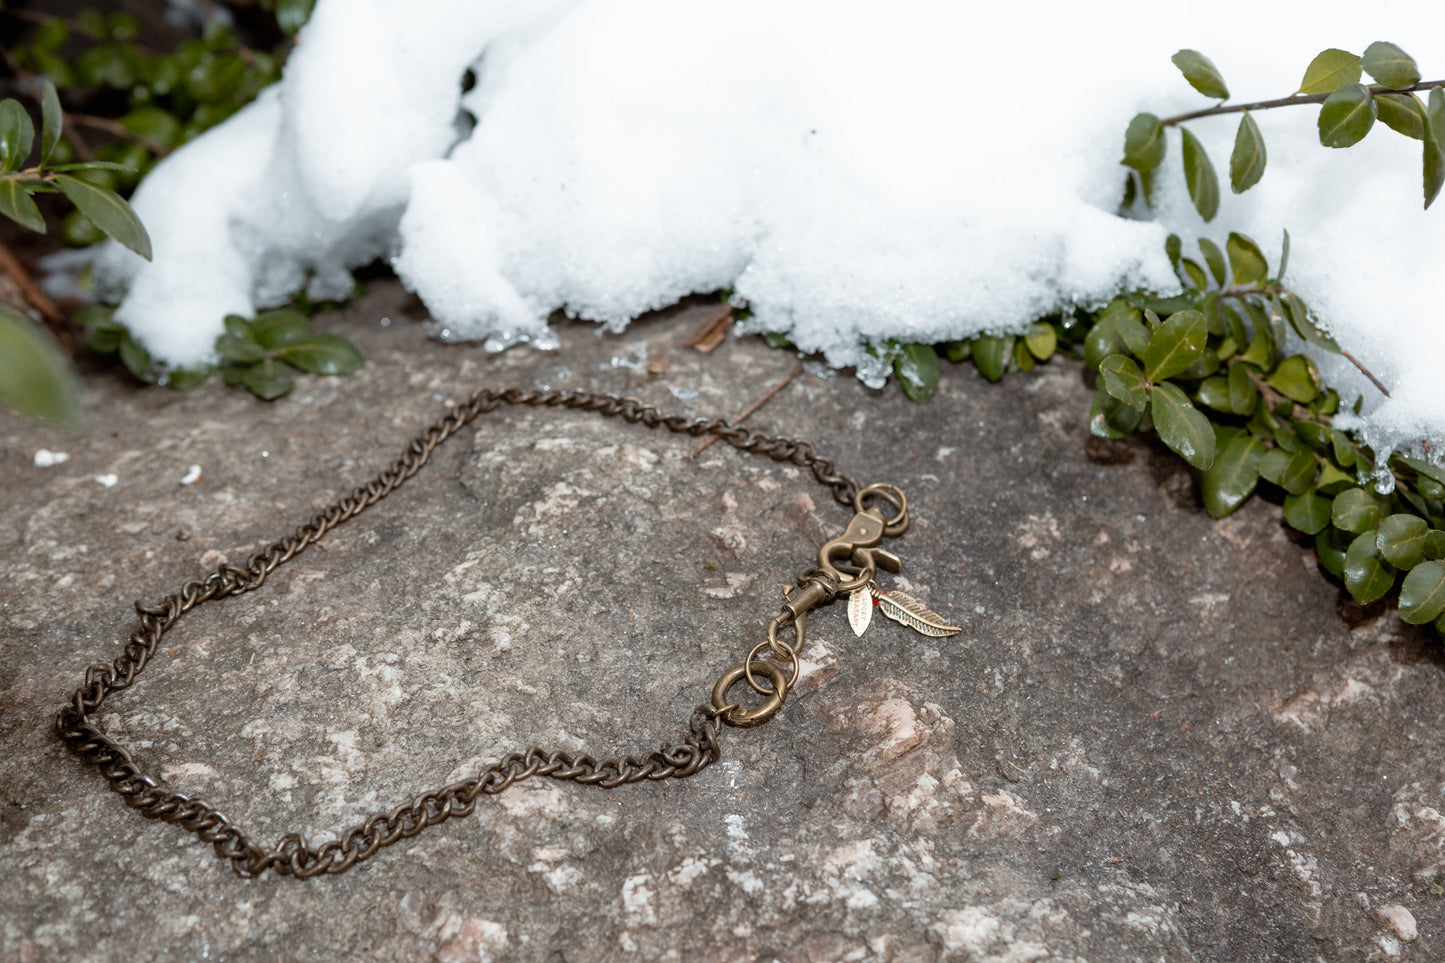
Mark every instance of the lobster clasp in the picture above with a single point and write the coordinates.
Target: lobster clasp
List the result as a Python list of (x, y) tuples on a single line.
[(854, 557)]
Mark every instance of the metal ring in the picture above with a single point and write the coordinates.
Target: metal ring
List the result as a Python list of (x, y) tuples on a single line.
[(731, 713), (773, 645), (893, 495)]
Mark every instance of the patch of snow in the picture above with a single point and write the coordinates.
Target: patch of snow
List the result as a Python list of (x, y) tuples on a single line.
[(192, 475), (45, 458), (107, 480), (924, 174)]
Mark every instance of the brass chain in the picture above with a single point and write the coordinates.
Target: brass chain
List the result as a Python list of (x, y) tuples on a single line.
[(293, 856)]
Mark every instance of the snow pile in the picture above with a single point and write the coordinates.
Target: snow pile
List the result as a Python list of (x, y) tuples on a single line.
[(921, 171)]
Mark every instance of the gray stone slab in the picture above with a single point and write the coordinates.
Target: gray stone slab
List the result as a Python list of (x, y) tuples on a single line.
[(1156, 738)]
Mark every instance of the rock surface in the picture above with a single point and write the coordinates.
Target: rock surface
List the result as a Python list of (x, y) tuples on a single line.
[(1155, 739)]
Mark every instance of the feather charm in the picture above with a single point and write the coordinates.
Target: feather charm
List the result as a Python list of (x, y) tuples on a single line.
[(902, 607), (860, 608)]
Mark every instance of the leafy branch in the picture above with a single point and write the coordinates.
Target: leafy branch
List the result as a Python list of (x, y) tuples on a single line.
[(255, 353), (1207, 373), (106, 209), (1348, 111)]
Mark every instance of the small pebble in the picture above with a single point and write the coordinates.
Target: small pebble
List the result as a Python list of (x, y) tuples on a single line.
[(107, 481), (1398, 919), (45, 458)]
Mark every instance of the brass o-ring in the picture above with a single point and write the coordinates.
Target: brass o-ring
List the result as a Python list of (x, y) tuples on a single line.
[(735, 715)]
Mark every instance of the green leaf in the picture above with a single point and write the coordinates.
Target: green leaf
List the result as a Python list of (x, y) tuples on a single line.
[(1297, 379), (1214, 257), (1022, 357), (1291, 470), (1246, 162), (991, 354), (102, 335), (1144, 143), (1283, 256), (239, 326), (1176, 345), (1356, 510), (1304, 325), (291, 15), (1243, 395), (50, 120), (1344, 452), (1422, 595), (1214, 392), (1111, 418), (154, 124), (17, 134), (267, 380), (136, 359), (1390, 65), (35, 376), (916, 365), (1213, 310), (184, 379), (1233, 476), (1401, 540), (331, 354), (1246, 260), (1201, 73), (959, 350), (1276, 321), (1200, 177), (1123, 380), (241, 350), (1401, 113), (1366, 576), (1422, 468), (1307, 512), (1314, 434), (19, 206), (1331, 552), (1329, 70), (1347, 116), (1181, 426), (107, 211), (1132, 332), (1195, 273), (1433, 119), (1042, 340)]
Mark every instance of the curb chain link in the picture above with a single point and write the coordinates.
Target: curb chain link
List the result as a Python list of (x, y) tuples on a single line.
[(293, 856)]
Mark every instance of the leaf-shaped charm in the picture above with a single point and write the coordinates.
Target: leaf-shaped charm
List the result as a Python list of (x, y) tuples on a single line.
[(860, 609), (902, 607)]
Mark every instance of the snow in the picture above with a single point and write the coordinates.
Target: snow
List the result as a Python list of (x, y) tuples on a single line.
[(921, 174)]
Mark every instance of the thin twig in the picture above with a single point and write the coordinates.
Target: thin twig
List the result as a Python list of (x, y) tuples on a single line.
[(1279, 289), (1287, 101), (1365, 371), (998, 768), (712, 330), (751, 409), (32, 292), (119, 130), (64, 328)]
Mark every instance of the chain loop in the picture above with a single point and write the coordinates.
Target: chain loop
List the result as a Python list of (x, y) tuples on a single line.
[(292, 856)]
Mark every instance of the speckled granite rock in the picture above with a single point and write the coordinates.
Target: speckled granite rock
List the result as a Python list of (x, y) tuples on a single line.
[(1155, 739)]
